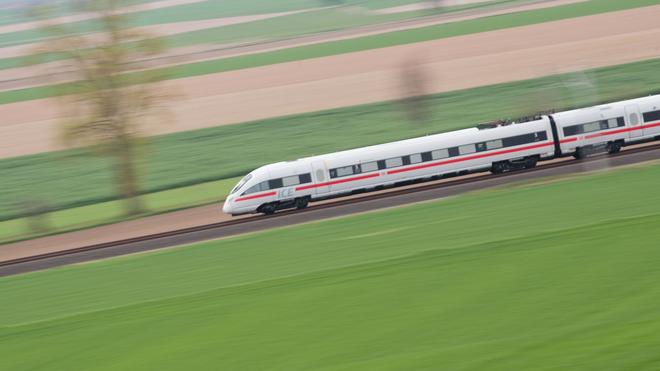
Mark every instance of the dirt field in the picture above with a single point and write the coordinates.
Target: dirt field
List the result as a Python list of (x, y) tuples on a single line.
[(372, 76)]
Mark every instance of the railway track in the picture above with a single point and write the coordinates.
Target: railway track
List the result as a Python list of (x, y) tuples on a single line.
[(340, 207)]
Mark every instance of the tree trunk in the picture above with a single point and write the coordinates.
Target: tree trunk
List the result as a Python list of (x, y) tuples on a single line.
[(127, 177)]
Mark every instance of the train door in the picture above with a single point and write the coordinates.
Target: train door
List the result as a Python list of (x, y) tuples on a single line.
[(320, 176), (634, 121)]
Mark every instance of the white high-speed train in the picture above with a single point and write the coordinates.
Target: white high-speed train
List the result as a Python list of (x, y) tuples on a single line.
[(498, 147)]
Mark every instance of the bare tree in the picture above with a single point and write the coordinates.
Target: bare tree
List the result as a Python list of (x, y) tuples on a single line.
[(107, 106)]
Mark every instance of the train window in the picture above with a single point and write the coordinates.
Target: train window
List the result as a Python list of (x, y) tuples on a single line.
[(440, 153), (241, 183), (612, 123), (494, 144), (416, 158), (526, 138), (652, 116), (290, 181), (343, 171), (572, 130), (263, 186), (275, 183), (583, 128), (253, 189), (394, 162), (481, 146), (369, 166), (406, 160), (305, 178), (590, 127), (426, 156), (467, 149), (453, 152), (381, 165)]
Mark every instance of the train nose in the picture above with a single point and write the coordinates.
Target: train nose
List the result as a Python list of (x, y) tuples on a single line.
[(226, 208)]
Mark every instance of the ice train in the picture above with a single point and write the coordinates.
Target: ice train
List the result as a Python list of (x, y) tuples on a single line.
[(498, 147)]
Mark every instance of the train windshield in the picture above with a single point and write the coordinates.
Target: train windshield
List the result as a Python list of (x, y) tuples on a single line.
[(241, 183)]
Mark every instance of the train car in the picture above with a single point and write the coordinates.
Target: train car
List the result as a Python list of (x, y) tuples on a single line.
[(607, 127), (499, 147)]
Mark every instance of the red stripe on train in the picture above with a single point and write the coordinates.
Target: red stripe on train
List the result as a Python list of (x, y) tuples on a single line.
[(618, 131), (252, 197)]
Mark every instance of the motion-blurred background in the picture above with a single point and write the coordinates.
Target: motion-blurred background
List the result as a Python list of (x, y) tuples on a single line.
[(124, 118)]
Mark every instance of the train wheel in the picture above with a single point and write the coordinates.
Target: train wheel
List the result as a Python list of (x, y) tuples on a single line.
[(530, 163), (301, 203), (499, 167), (268, 209), (613, 148), (580, 153)]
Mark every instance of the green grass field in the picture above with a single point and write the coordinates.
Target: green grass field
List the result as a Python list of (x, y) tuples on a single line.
[(352, 45), (560, 275), (74, 178)]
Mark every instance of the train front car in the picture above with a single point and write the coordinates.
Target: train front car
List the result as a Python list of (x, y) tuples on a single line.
[(243, 197), (283, 185)]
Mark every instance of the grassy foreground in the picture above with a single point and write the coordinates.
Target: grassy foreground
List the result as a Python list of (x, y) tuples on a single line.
[(561, 275), (358, 44), (74, 178)]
